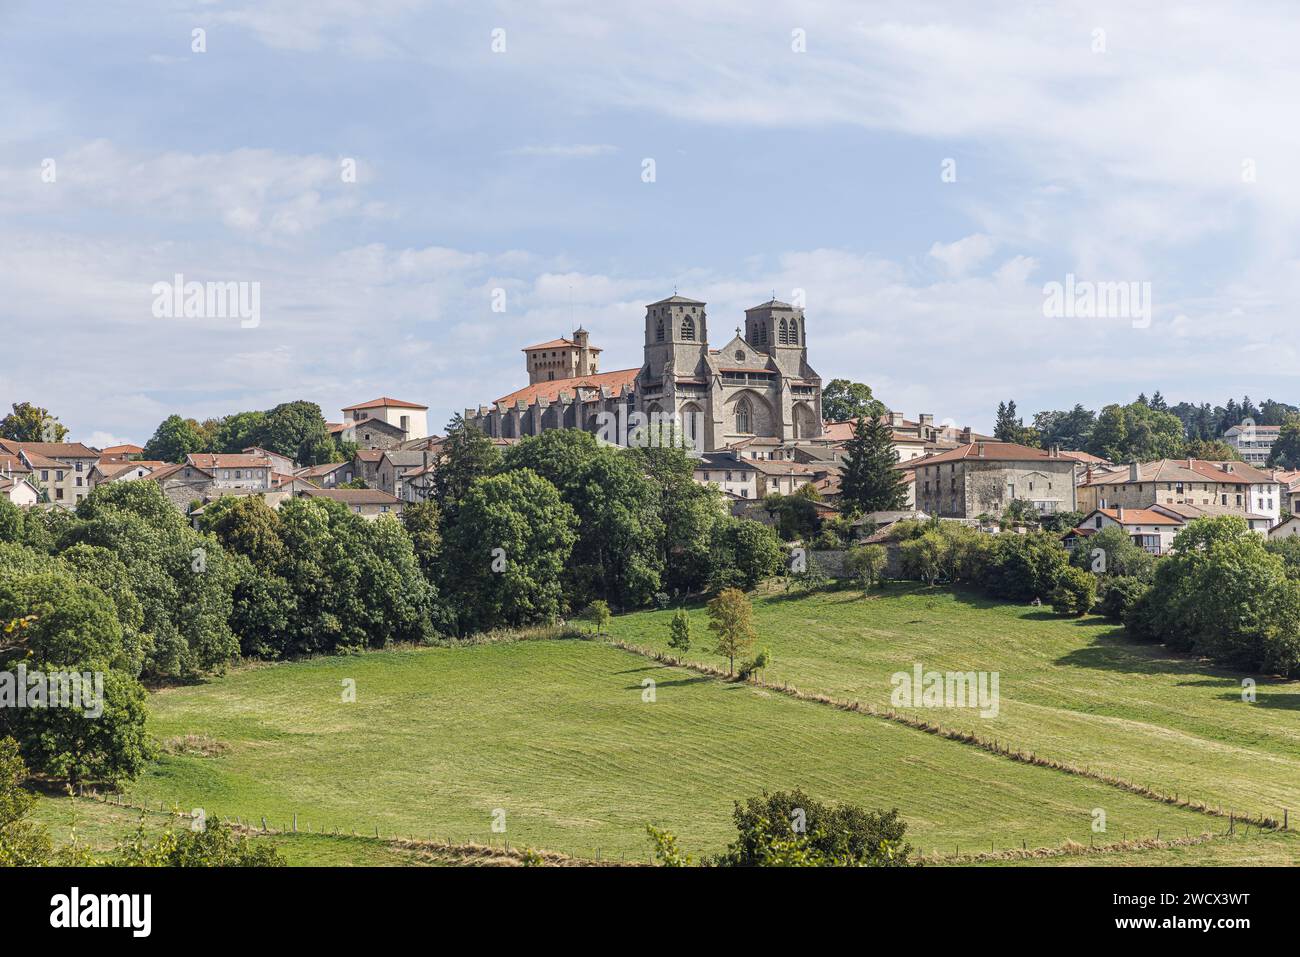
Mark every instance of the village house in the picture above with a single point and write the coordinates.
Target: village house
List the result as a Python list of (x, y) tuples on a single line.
[(1287, 529), (784, 478), (409, 418), (394, 465), (1253, 442), (365, 466), (369, 503), (1149, 528), (1235, 486), (279, 463), (120, 470), (234, 471), (327, 475), (183, 484), (373, 433), (735, 475), (60, 470), (980, 478), (120, 453), (1289, 488), (18, 489)]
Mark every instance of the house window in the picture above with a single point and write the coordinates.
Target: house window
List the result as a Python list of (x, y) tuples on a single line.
[(78, 466), (1098, 521)]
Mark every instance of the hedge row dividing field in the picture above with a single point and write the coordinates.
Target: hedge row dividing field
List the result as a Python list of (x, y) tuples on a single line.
[(1077, 691)]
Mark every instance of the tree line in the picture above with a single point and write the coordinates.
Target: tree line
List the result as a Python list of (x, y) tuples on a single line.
[(1150, 428)]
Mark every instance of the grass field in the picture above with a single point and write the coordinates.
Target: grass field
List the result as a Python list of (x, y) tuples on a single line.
[(557, 735), (1078, 691)]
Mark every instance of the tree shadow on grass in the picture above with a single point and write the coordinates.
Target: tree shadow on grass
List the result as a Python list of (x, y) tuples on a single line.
[(674, 682), (1289, 701)]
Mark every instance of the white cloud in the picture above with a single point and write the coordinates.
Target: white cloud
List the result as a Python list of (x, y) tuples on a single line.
[(960, 257), (259, 194)]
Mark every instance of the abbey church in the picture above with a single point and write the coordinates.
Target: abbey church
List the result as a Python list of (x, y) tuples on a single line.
[(758, 385)]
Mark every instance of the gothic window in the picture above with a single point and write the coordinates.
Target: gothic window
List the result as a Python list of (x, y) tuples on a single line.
[(743, 416), (659, 330), (783, 336), (794, 332), (760, 335), (688, 328)]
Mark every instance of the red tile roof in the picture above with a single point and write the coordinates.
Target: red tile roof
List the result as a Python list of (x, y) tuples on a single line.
[(70, 450), (991, 452), (551, 390), (1140, 516), (385, 402), (558, 344), (1186, 470), (207, 461), (1085, 457)]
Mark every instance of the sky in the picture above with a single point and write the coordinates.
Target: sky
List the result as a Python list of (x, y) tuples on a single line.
[(917, 174)]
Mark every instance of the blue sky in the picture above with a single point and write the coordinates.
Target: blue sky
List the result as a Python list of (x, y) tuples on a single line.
[(1114, 156)]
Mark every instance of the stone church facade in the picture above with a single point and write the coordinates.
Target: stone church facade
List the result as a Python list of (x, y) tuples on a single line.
[(758, 385)]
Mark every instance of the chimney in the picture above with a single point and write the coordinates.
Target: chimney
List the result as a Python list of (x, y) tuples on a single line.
[(1133, 472), (1088, 476), (965, 436), (927, 418), (895, 419), (1119, 512), (979, 449), (1056, 451), (1191, 463)]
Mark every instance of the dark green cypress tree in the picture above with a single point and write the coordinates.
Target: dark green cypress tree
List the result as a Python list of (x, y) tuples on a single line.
[(869, 482)]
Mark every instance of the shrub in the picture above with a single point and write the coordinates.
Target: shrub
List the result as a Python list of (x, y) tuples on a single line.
[(866, 563), (789, 828), (679, 634), (1075, 592), (1119, 596)]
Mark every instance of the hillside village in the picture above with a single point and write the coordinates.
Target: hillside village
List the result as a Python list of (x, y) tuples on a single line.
[(752, 413), (948, 473)]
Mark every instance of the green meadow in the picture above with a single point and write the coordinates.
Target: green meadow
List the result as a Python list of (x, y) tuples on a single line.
[(558, 740), (1078, 691)]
